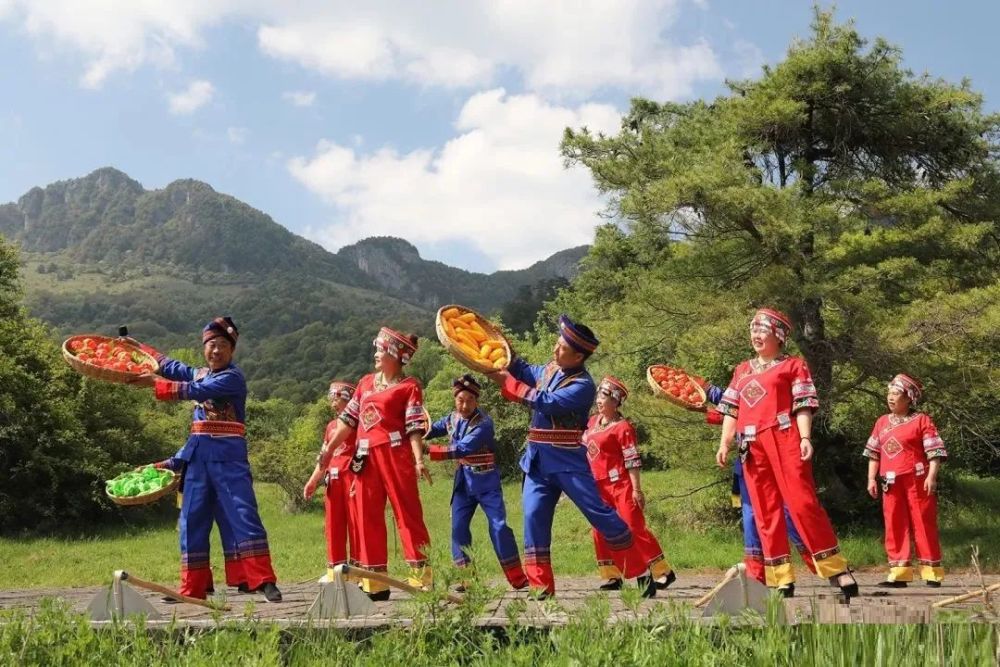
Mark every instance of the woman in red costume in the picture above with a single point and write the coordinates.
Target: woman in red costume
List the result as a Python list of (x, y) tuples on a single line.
[(614, 460), (770, 403), (388, 417), (906, 451), (335, 466)]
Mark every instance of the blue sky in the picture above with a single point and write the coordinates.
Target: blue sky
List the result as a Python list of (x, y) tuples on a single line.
[(440, 125)]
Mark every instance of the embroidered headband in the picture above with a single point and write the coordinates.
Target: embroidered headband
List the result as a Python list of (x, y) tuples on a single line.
[(578, 336), (339, 389), (220, 326), (909, 386), (774, 321), (466, 383), (395, 344), (614, 388)]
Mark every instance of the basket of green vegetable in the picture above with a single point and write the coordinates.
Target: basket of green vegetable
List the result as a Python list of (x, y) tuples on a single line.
[(138, 487)]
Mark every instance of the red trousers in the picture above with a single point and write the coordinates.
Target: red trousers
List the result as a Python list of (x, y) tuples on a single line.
[(619, 496), (389, 473), (341, 529), (910, 512), (777, 476)]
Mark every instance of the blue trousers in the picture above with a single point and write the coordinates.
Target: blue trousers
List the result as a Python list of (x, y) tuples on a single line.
[(540, 494), (221, 491), (463, 506)]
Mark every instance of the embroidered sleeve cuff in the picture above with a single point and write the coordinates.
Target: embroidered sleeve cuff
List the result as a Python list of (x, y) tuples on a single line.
[(805, 403), (937, 454), (514, 390), (870, 454), (416, 426), (633, 464), (441, 452), (728, 410), (166, 390), (349, 420)]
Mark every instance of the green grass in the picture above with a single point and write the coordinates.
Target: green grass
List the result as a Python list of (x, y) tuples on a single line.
[(55, 636), (688, 529)]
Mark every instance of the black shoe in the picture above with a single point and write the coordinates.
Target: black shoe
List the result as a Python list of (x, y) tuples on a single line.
[(611, 585), (380, 596), (933, 584), (850, 590), (671, 578), (646, 585), (460, 588), (787, 591), (166, 599), (270, 591), (891, 584), (244, 587), (210, 590)]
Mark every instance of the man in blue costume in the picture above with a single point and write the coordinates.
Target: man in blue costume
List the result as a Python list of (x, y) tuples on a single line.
[(559, 395), (477, 480), (216, 472)]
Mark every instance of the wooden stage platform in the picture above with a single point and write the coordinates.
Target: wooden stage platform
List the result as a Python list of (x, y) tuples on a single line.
[(815, 601)]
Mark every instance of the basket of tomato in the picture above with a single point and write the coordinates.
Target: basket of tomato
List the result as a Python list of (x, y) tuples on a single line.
[(676, 386), (109, 359)]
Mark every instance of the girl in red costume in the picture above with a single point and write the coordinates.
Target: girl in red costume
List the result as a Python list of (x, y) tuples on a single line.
[(770, 402), (335, 466), (906, 451), (387, 414), (614, 460)]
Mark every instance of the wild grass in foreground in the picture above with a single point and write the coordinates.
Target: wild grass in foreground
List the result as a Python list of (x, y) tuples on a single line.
[(55, 636), (687, 528)]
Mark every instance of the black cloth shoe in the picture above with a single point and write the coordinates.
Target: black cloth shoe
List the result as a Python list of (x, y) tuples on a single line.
[(380, 596), (787, 591), (933, 584), (244, 587), (671, 578), (891, 584), (166, 599), (270, 591), (611, 585), (848, 591), (646, 585)]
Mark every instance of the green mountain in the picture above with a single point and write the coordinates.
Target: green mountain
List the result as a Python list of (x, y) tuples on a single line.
[(101, 250)]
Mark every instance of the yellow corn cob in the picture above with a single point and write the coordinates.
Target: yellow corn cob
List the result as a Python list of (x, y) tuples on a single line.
[(467, 317), (500, 363), (450, 313), (497, 353)]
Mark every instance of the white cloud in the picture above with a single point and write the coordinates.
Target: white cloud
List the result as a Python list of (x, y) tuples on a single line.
[(560, 47), (300, 98), (498, 185), (192, 98), (237, 135)]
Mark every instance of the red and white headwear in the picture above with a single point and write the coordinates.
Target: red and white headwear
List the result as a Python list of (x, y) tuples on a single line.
[(340, 389), (909, 386), (395, 344), (614, 388), (774, 321)]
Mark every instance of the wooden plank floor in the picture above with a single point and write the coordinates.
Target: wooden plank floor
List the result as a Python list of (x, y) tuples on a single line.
[(815, 600)]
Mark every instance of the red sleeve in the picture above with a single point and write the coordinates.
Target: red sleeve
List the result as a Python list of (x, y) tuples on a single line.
[(630, 449), (933, 444), (873, 448), (416, 415), (803, 389)]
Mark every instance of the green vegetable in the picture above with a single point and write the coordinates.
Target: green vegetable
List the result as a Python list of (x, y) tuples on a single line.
[(137, 483)]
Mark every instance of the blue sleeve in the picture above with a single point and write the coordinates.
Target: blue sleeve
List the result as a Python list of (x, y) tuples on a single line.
[(227, 384), (524, 372), (476, 440), (714, 393), (575, 397), (172, 369), (438, 429)]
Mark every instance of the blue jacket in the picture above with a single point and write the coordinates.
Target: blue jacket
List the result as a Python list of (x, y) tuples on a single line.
[(469, 437), (559, 399)]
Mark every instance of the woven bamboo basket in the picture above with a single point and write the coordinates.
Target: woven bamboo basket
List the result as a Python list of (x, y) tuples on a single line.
[(680, 402), (107, 374), (452, 346), (146, 498)]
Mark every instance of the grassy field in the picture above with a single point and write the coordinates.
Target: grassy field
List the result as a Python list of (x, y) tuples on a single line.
[(55, 636), (690, 540)]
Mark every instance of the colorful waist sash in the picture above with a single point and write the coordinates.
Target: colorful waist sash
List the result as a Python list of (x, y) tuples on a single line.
[(568, 438), (218, 428), (475, 460)]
